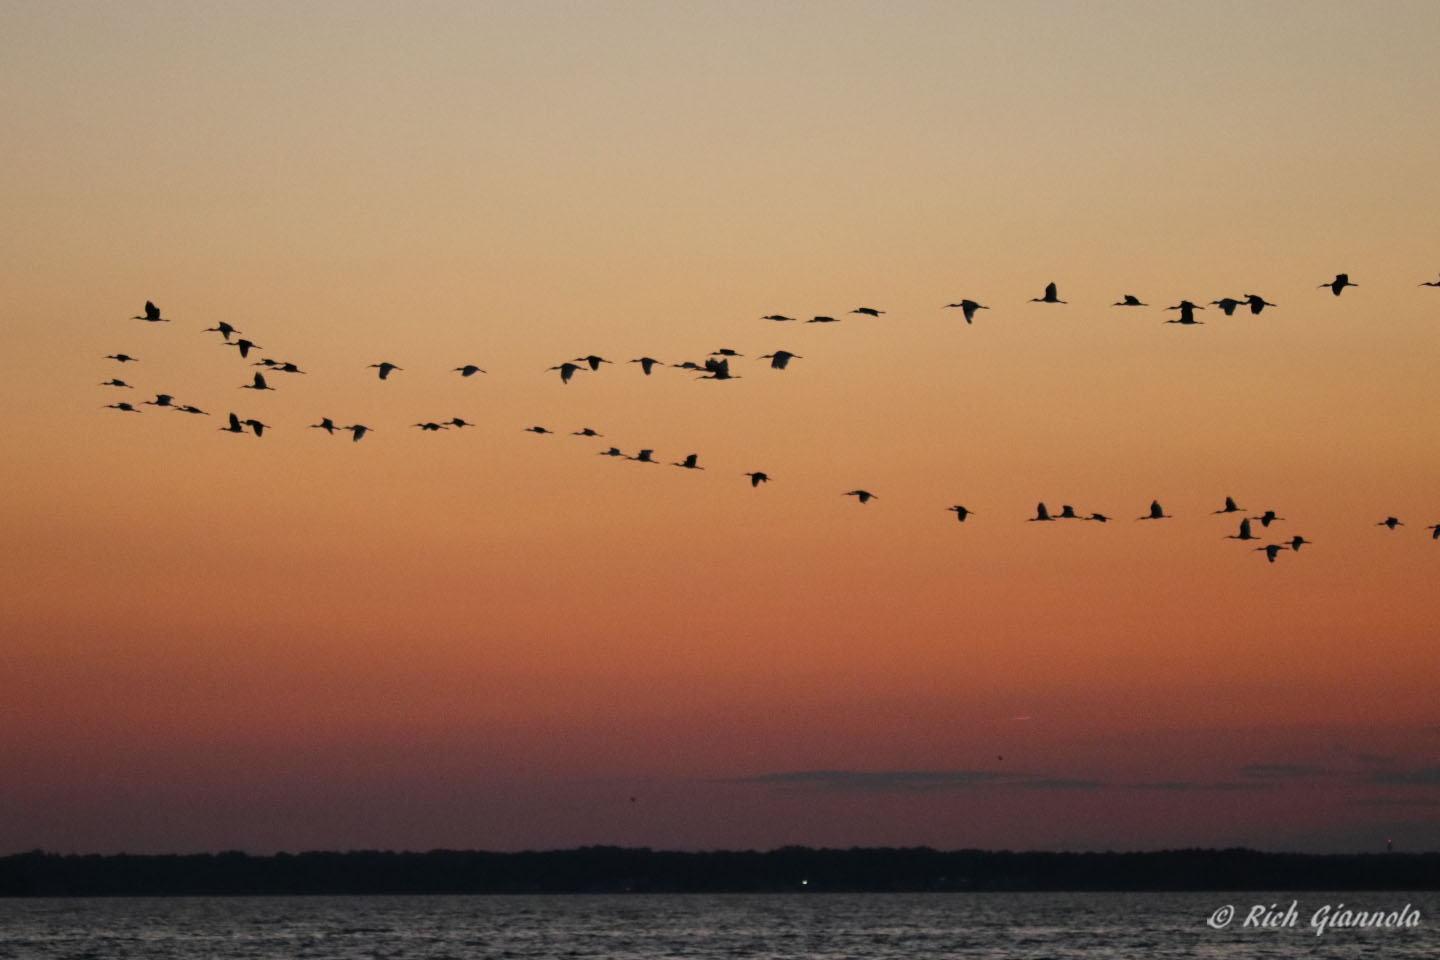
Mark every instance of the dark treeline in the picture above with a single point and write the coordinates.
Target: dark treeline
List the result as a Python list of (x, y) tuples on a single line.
[(641, 870)]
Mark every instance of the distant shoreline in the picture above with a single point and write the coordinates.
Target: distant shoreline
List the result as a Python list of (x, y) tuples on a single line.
[(601, 869)]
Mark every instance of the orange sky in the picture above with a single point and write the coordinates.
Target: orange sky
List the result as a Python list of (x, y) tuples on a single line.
[(489, 638)]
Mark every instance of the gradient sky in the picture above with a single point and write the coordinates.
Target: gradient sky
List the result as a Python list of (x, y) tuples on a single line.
[(487, 638)]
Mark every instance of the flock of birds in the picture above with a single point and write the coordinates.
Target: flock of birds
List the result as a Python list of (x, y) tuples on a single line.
[(717, 367)]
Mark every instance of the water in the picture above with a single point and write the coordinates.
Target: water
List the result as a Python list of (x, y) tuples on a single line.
[(871, 926)]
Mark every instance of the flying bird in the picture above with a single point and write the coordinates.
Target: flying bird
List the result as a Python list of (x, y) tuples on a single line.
[(780, 358), (431, 426), (864, 496), (1297, 541), (1434, 527), (822, 320), (1187, 312), (1050, 295), (1244, 533), (757, 477), (1227, 304), (642, 457), (222, 328), (469, 370), (122, 357), (188, 408), (646, 364), (1067, 512), (287, 368), (1341, 281), (257, 384), (152, 314), (1430, 283), (1229, 507), (457, 422), (1390, 522), (326, 424), (1267, 518), (1257, 303), (235, 426), (537, 430), (122, 405), (960, 512), (567, 370), (593, 360), (725, 352), (1042, 514), (1098, 516), (779, 318), (357, 430), (385, 368), (719, 370), (868, 311), (1130, 301), (967, 307), (1271, 549), (161, 400), (1155, 512), (689, 462), (612, 452), (257, 426), (584, 432), (244, 346), (113, 382)]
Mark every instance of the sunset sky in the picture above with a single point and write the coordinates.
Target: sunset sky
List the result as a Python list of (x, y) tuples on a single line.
[(489, 638)]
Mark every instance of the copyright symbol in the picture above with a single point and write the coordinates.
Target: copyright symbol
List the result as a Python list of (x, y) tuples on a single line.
[(1221, 918)]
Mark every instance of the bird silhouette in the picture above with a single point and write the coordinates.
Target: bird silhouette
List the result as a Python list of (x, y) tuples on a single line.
[(256, 426), (122, 405), (1297, 541), (780, 358), (161, 400), (593, 360), (864, 496), (1390, 522), (968, 308), (431, 426), (122, 357), (469, 370), (113, 382), (287, 368), (689, 462), (1430, 283), (326, 424), (188, 408), (1341, 281), (1067, 512), (1267, 518), (1227, 304), (244, 346), (222, 328), (644, 456), (458, 422), (725, 352), (386, 368), (779, 318), (584, 432), (719, 370), (1098, 516), (1187, 312), (822, 320), (960, 512), (1042, 514), (757, 477), (567, 370), (152, 314), (1271, 550), (687, 365), (1229, 507), (234, 425), (646, 364), (266, 362), (257, 384), (1434, 527), (1257, 303), (1050, 295), (537, 430), (1130, 301), (1244, 533), (868, 311), (357, 430), (612, 452), (1155, 512)]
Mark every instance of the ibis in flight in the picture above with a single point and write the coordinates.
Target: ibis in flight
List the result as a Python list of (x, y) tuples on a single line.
[(968, 308), (1341, 281), (1050, 295)]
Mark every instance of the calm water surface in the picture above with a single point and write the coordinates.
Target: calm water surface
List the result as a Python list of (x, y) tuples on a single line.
[(870, 926)]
